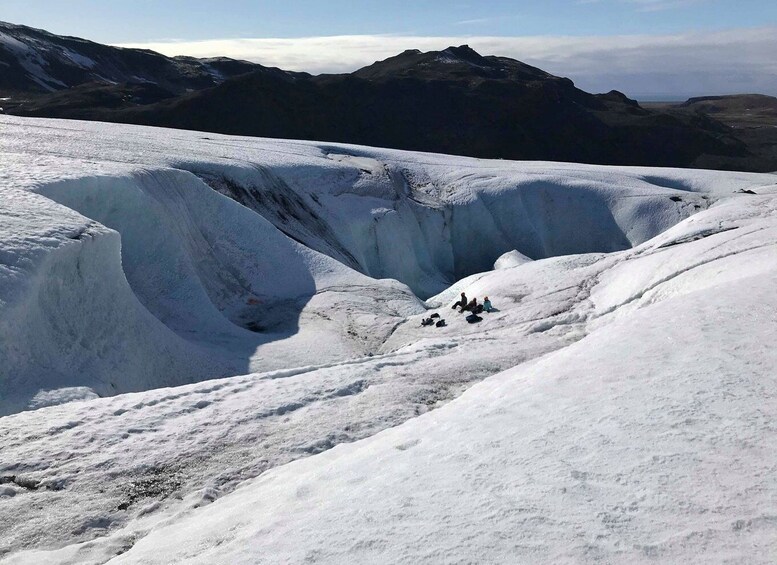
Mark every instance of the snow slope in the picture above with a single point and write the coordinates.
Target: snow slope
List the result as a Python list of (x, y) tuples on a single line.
[(629, 418), (651, 440)]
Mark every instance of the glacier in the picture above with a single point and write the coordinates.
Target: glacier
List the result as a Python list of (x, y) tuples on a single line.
[(211, 351)]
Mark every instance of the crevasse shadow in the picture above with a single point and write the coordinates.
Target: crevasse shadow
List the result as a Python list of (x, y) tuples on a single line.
[(221, 278)]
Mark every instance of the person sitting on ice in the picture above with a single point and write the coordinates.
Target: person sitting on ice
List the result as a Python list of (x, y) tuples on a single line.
[(471, 306), (487, 305), (461, 303)]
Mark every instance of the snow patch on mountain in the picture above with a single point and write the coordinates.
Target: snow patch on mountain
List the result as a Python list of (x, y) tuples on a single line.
[(31, 60), (81, 60), (452, 55)]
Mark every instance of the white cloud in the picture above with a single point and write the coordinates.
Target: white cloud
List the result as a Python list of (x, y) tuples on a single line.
[(477, 21), (649, 5), (737, 60), (657, 5)]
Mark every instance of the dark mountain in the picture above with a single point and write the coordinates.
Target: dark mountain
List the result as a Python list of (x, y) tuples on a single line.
[(738, 110), (83, 101), (452, 101), (454, 63), (35, 61), (734, 101), (751, 117)]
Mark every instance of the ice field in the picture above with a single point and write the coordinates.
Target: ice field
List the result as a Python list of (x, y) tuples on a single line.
[(211, 351)]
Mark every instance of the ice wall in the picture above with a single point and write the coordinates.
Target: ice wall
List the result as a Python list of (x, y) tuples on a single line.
[(129, 282), (380, 218), (70, 320)]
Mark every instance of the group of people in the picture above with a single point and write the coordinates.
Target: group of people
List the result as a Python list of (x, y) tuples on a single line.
[(472, 306)]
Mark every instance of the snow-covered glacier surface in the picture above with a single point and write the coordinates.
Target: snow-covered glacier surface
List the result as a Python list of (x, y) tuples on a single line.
[(211, 352)]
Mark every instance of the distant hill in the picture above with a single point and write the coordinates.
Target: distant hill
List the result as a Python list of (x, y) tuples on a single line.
[(739, 110), (733, 101), (35, 61), (451, 101), (752, 118)]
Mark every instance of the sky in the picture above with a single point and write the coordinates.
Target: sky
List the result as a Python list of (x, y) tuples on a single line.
[(646, 48)]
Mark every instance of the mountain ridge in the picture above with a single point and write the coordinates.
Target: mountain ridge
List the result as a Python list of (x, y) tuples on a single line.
[(36, 61), (486, 107), (453, 101)]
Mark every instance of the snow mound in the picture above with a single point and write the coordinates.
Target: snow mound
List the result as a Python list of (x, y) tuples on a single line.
[(511, 259)]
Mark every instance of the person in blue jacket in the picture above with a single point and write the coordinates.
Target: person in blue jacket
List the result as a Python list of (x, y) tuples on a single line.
[(487, 305)]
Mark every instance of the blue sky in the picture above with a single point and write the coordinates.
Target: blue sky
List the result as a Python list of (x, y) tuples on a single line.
[(645, 48), (136, 21)]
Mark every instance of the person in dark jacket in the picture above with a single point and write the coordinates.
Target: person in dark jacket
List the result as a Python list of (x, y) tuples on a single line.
[(471, 306), (461, 303)]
